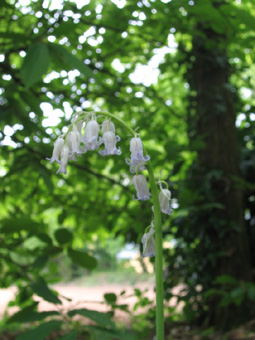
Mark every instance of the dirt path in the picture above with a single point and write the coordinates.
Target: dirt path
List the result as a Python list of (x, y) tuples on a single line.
[(88, 297)]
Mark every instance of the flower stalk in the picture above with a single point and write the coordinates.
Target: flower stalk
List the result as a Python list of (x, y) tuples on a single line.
[(158, 239)]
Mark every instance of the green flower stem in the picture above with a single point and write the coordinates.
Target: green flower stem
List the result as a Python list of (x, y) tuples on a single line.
[(158, 237), (158, 256)]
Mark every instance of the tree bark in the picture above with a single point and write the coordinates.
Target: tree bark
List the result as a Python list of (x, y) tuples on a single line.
[(214, 122)]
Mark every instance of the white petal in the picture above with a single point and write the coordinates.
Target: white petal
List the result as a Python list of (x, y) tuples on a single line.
[(108, 126), (58, 146)]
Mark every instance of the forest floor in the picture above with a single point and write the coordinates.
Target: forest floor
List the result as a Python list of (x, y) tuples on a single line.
[(92, 297), (84, 297)]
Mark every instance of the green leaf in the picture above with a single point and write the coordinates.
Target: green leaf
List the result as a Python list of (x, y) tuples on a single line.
[(35, 64), (45, 238), (214, 292), (238, 295), (82, 259), (103, 334), (13, 36), (28, 315), (40, 262), (70, 59), (16, 225), (102, 319), (226, 279), (63, 236), (41, 289), (242, 16), (110, 298), (40, 332), (70, 336)]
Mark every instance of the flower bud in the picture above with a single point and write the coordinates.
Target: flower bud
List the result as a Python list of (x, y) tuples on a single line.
[(164, 199), (149, 243), (141, 186)]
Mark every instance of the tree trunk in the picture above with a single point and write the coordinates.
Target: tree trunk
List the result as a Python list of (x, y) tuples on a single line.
[(214, 122)]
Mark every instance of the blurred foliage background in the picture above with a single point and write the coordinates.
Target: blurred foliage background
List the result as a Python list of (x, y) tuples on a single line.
[(183, 72)]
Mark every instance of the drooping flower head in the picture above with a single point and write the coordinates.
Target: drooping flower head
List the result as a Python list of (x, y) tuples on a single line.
[(148, 242), (74, 143), (164, 199), (109, 139), (141, 186), (137, 159), (91, 133), (64, 160), (58, 146)]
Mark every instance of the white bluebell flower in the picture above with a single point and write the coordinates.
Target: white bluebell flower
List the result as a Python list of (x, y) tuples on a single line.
[(109, 139), (64, 160), (141, 186), (148, 242), (69, 143), (137, 159), (73, 142), (58, 146), (164, 199), (91, 133)]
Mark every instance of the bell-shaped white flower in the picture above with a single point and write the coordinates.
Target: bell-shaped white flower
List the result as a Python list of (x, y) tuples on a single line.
[(164, 199), (109, 139), (148, 242), (58, 146), (91, 133), (137, 160), (141, 186), (73, 142), (69, 142), (64, 160)]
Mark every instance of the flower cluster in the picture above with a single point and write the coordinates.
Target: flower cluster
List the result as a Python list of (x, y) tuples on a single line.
[(84, 135), (84, 130)]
